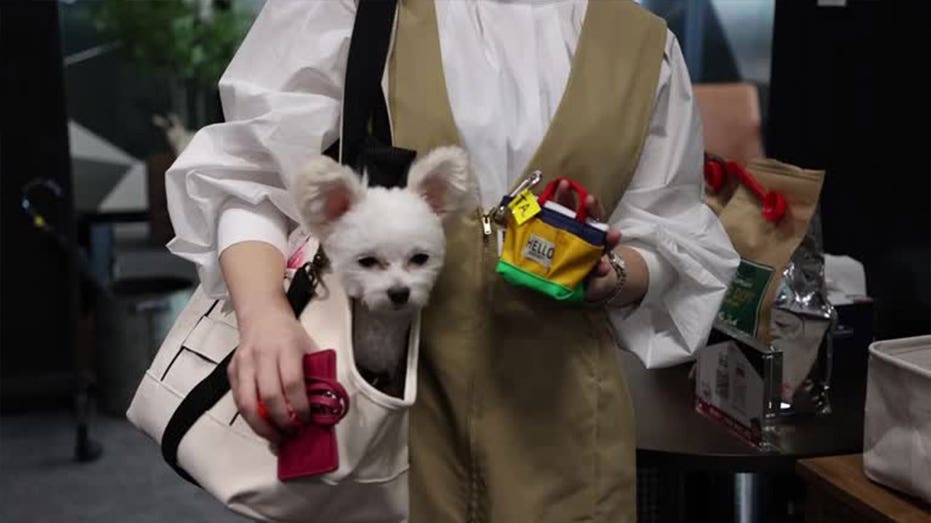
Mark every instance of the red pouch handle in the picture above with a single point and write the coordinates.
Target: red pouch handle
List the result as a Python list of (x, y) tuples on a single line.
[(550, 190)]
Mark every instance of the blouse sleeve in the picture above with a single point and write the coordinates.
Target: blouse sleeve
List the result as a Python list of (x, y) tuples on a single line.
[(281, 98), (688, 254)]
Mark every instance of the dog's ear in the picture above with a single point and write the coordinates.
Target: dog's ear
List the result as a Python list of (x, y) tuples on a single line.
[(324, 192), (444, 179)]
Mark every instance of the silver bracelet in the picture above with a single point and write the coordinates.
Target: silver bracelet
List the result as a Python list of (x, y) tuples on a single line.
[(620, 268)]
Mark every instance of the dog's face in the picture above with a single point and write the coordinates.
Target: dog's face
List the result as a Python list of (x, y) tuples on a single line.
[(388, 250), (387, 245)]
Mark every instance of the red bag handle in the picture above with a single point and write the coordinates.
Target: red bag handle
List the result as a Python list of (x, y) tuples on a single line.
[(581, 214), (774, 204), (714, 174)]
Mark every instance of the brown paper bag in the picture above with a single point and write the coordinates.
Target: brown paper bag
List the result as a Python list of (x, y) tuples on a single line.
[(764, 247)]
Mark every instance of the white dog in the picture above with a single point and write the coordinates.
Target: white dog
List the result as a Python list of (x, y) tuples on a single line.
[(386, 245)]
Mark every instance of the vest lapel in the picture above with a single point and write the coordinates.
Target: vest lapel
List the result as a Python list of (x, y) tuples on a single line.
[(600, 124), (420, 112)]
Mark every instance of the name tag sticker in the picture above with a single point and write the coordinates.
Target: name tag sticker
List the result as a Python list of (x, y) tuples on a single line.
[(539, 250), (524, 206)]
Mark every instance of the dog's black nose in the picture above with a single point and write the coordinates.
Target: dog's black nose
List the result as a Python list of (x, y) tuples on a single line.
[(399, 295)]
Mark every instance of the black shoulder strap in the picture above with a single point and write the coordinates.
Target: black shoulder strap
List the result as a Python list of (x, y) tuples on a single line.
[(366, 143), (363, 99)]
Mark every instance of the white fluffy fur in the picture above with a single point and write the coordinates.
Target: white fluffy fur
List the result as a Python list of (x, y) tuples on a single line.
[(392, 226), (322, 183), (444, 178)]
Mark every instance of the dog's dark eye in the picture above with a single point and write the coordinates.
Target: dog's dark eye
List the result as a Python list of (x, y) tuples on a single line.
[(368, 262), (419, 259)]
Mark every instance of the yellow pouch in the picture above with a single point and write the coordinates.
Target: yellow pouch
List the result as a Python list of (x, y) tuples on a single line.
[(551, 251)]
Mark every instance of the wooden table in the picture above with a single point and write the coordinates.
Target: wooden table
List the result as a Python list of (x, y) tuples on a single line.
[(839, 491)]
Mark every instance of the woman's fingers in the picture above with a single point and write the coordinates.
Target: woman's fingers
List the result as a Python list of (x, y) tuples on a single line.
[(595, 210), (292, 382), (245, 394), (564, 196), (601, 280), (612, 239), (268, 380), (232, 374), (603, 268)]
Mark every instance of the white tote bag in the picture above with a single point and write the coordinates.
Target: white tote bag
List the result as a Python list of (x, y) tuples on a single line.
[(897, 428), (221, 453)]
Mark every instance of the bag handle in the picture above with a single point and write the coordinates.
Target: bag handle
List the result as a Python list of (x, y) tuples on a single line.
[(773, 203), (581, 214)]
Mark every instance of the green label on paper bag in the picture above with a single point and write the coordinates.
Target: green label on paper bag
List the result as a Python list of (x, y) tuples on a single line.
[(741, 306)]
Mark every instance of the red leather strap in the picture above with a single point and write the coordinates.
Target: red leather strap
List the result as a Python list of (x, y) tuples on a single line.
[(581, 214)]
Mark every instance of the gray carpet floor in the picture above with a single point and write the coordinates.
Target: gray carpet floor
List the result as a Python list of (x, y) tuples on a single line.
[(129, 483)]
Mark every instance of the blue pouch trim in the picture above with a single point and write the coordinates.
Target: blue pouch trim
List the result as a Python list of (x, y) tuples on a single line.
[(556, 219)]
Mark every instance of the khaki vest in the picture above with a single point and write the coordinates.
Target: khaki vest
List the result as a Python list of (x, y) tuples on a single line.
[(523, 413)]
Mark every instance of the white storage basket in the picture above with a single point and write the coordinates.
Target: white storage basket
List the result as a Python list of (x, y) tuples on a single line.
[(897, 431)]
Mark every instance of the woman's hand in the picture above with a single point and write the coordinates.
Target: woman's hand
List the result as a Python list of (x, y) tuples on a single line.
[(268, 364), (602, 281), (268, 367)]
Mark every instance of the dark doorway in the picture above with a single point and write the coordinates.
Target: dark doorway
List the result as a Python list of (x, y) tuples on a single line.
[(850, 95), (38, 278)]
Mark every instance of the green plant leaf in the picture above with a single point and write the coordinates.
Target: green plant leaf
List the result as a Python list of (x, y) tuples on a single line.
[(167, 37)]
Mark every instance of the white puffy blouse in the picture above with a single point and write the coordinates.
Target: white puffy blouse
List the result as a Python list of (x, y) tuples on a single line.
[(506, 64)]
